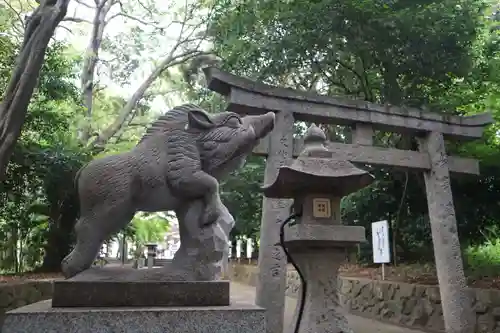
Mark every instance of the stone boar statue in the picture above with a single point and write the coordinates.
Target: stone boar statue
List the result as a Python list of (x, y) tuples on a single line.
[(180, 159)]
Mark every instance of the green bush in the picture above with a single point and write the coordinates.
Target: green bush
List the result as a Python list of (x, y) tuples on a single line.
[(484, 259)]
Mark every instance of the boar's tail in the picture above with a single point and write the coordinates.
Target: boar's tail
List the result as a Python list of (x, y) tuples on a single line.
[(75, 187), (75, 180)]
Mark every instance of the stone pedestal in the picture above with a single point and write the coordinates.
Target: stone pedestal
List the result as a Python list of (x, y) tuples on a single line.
[(140, 293), (119, 286), (322, 310), (318, 251), (116, 299), (41, 317)]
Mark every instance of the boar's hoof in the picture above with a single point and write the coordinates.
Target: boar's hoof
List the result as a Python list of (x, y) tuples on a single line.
[(70, 267), (209, 216)]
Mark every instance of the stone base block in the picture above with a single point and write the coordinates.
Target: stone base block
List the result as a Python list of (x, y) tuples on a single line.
[(129, 274), (146, 293), (41, 317), (120, 286)]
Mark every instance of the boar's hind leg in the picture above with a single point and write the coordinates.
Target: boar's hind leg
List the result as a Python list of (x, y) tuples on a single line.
[(92, 230)]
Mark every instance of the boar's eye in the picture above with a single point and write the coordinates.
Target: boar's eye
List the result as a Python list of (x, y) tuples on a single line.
[(233, 122)]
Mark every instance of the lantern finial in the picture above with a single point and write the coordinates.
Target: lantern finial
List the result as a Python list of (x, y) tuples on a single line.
[(314, 134)]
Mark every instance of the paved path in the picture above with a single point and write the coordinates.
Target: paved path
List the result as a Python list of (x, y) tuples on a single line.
[(358, 324)]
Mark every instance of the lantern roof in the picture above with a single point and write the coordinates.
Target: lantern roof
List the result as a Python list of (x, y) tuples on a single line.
[(317, 171)]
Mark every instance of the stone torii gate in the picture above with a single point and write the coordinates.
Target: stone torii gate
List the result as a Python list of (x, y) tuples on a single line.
[(249, 97)]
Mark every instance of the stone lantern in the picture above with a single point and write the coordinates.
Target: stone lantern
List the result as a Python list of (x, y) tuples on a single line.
[(317, 242), (152, 249)]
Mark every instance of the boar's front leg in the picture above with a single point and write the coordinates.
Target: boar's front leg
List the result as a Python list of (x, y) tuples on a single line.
[(209, 188), (194, 184)]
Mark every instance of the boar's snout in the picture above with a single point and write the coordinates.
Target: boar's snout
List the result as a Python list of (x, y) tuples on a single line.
[(262, 124)]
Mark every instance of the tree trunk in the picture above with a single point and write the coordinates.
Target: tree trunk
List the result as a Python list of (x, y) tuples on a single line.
[(90, 62), (58, 246), (60, 235), (392, 92), (40, 28)]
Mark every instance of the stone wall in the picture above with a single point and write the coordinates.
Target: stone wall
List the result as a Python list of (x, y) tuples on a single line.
[(415, 306), (14, 295)]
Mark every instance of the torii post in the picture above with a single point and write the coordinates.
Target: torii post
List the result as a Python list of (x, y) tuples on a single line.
[(249, 97)]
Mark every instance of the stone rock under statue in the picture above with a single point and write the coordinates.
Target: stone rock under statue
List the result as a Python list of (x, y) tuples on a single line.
[(177, 165)]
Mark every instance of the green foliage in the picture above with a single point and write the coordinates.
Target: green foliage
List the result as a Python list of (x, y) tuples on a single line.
[(106, 109), (148, 228), (242, 196), (374, 50), (438, 55), (7, 51), (484, 259), (37, 198)]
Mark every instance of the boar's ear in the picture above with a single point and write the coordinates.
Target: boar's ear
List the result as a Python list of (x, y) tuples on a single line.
[(199, 120)]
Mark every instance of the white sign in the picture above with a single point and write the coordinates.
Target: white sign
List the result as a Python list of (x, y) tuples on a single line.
[(249, 248), (238, 248), (380, 241)]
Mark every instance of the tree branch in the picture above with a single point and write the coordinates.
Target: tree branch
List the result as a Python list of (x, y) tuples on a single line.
[(76, 20), (80, 2), (17, 28), (153, 24), (131, 126), (144, 7), (7, 3), (160, 92), (181, 52), (358, 75), (127, 111), (65, 28)]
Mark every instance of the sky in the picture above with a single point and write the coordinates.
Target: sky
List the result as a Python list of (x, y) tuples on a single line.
[(78, 35)]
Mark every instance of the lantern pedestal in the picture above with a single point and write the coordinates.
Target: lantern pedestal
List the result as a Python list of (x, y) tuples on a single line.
[(318, 251)]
